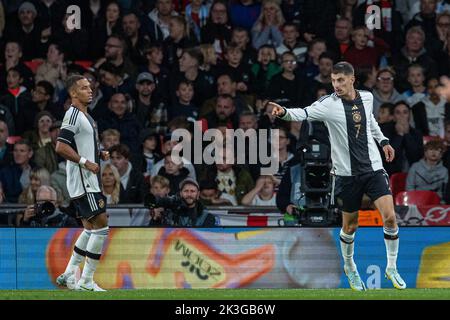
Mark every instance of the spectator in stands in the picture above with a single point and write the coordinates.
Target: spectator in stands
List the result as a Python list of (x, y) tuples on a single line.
[(287, 87), (5, 149), (267, 28), (115, 48), (16, 98), (224, 114), (315, 48), (109, 138), (108, 25), (57, 218), (190, 61), (179, 38), (112, 189), (436, 45), (58, 180), (46, 156), (263, 194), (131, 179), (38, 177), (244, 13), (14, 58), (146, 105), (264, 69), (360, 54), (231, 179), (241, 37), (342, 37), (173, 172), (50, 13), (136, 40), (155, 57), (15, 177), (417, 90), (39, 136), (385, 113), (284, 155), (166, 149), (323, 79), (97, 108), (432, 111), (429, 173), (292, 43), (184, 107), (366, 78), (227, 85), (209, 58), (196, 15), (426, 19), (150, 152), (289, 198), (121, 119), (160, 17), (211, 196), (28, 32), (73, 42), (217, 29), (406, 140), (239, 70), (384, 89), (413, 53)]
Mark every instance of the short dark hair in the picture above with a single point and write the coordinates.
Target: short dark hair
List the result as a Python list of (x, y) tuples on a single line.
[(121, 149), (195, 53), (327, 55), (343, 67), (185, 82), (47, 86), (72, 81), (389, 106), (435, 144)]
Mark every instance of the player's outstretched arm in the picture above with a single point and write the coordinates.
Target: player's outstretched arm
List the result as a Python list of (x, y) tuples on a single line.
[(317, 111), (68, 153)]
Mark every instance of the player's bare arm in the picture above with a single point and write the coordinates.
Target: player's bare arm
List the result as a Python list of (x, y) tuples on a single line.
[(67, 152), (277, 110)]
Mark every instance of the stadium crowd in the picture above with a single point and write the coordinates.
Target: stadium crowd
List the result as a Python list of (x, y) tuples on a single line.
[(159, 65)]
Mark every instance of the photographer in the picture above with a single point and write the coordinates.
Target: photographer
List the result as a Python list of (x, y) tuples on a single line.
[(46, 212), (187, 210)]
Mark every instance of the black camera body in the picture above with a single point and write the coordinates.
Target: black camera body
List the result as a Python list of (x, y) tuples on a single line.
[(43, 209), (174, 203), (315, 185)]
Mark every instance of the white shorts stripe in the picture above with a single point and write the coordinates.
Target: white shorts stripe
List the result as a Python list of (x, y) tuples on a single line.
[(94, 202), (91, 202)]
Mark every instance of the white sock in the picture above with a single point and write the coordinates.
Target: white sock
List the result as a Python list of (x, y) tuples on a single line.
[(392, 243), (93, 253), (347, 250), (79, 251)]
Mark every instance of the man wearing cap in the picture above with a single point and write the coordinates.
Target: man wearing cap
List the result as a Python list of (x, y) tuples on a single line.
[(46, 156), (148, 110), (26, 32)]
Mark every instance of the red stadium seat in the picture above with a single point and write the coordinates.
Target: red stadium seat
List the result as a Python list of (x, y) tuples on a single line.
[(34, 64), (430, 138), (417, 197), (84, 63), (397, 182)]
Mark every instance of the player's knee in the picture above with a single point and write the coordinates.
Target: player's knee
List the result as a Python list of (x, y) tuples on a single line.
[(390, 221), (350, 228)]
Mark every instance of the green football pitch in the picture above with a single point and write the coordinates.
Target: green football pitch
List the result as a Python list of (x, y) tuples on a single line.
[(229, 294)]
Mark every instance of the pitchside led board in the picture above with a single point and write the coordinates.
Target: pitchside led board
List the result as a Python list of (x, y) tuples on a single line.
[(225, 258)]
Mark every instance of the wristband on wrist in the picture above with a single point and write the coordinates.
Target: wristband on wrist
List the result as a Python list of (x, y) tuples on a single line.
[(82, 161), (384, 143)]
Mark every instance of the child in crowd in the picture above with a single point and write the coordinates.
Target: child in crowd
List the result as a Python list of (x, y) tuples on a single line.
[(429, 173), (385, 113), (159, 187), (416, 79), (184, 107), (263, 194)]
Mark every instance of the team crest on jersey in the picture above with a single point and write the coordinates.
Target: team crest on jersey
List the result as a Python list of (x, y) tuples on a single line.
[(356, 116), (101, 203)]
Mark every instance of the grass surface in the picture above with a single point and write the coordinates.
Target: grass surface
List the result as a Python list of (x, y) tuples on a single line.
[(229, 294)]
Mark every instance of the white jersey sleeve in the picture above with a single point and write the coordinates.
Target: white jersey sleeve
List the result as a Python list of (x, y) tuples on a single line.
[(316, 112), (376, 131), (70, 126)]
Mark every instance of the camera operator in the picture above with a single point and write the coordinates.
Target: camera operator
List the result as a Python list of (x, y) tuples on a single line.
[(46, 212), (186, 208)]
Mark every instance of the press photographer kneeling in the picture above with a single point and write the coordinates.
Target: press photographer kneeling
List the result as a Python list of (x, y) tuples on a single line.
[(46, 212), (185, 208)]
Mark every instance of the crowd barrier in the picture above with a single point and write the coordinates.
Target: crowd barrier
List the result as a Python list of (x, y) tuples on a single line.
[(32, 258), (246, 216)]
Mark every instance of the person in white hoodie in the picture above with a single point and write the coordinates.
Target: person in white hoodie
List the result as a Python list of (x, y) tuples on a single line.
[(160, 16)]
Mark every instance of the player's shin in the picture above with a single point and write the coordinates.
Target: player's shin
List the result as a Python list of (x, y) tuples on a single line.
[(93, 253), (392, 243), (79, 251), (347, 250)]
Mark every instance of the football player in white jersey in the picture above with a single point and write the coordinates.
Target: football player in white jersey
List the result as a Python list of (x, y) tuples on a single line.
[(357, 164), (78, 144)]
